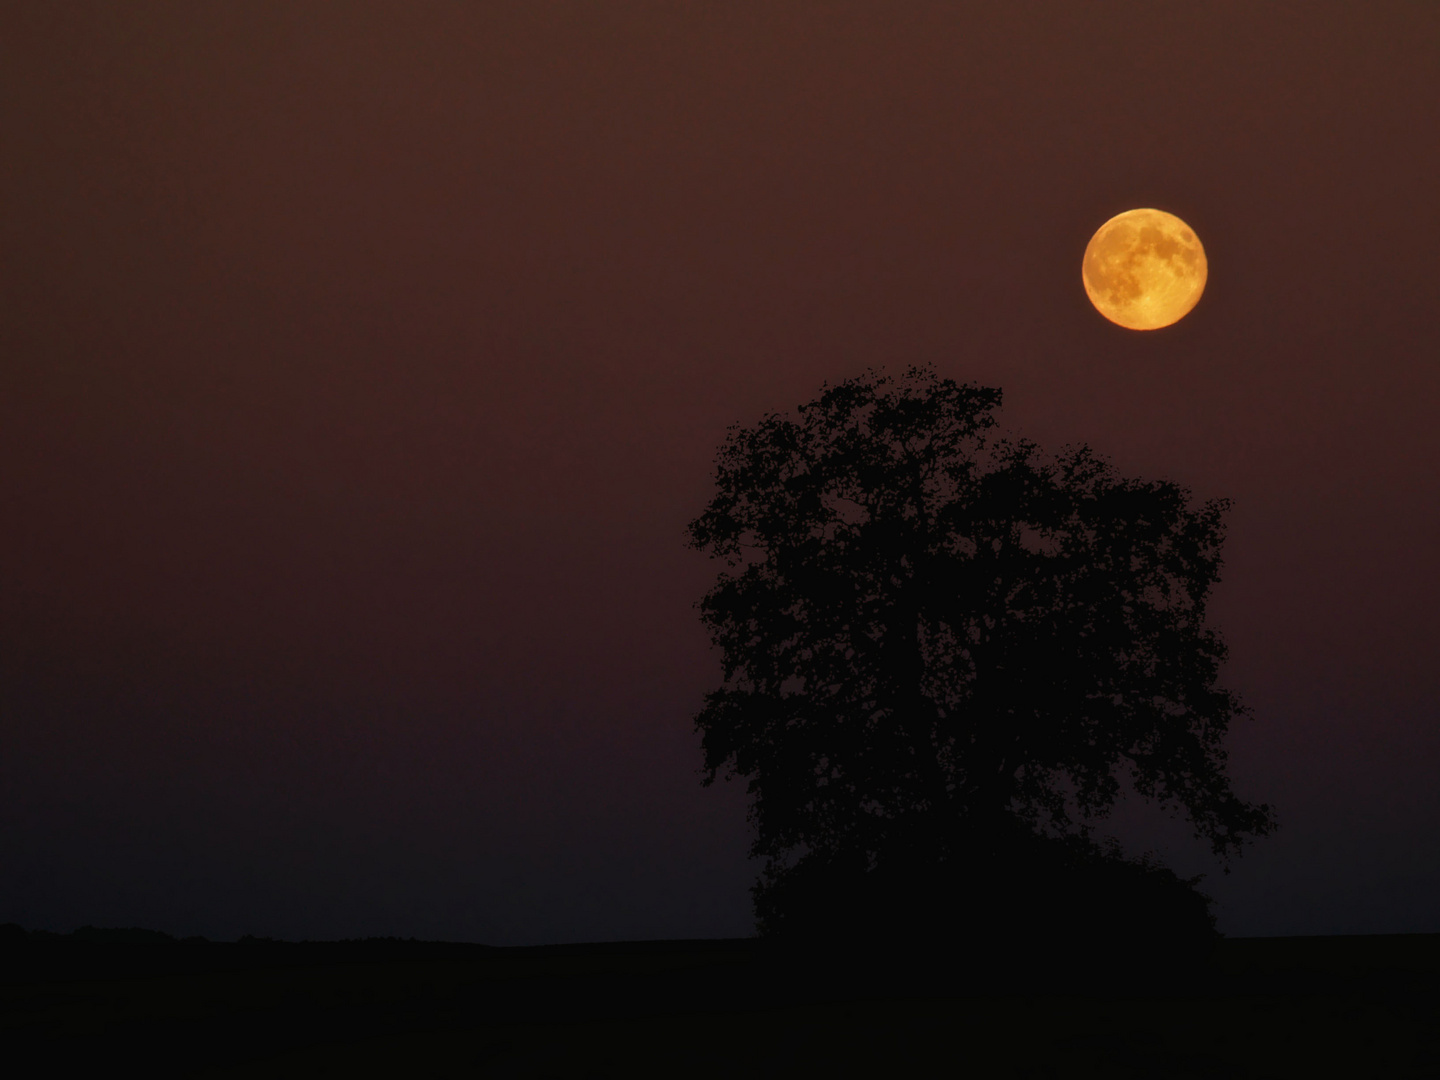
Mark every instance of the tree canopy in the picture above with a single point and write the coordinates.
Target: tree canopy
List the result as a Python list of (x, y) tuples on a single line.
[(934, 636)]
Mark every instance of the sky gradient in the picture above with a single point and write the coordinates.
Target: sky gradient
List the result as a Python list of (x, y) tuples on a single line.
[(361, 366)]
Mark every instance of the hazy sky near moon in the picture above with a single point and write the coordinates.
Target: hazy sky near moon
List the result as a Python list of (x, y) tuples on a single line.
[(361, 366)]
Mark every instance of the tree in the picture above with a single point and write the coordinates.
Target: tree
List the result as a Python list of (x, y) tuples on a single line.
[(945, 652)]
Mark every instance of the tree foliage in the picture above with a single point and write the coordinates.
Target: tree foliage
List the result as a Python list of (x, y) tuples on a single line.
[(935, 637)]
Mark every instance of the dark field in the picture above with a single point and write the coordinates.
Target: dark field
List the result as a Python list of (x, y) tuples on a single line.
[(1361, 1006)]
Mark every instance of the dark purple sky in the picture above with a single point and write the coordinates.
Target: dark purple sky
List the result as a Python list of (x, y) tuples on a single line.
[(361, 365)]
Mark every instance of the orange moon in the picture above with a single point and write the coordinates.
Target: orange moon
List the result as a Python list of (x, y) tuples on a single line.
[(1144, 269)]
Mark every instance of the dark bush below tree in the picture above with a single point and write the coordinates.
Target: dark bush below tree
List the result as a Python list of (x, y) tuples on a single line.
[(1037, 901)]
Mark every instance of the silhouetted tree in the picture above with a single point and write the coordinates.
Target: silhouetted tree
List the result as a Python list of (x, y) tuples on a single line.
[(945, 651)]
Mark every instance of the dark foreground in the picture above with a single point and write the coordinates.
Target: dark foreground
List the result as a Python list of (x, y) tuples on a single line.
[(1282, 1007)]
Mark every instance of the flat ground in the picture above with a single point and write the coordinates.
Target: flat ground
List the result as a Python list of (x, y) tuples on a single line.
[(1367, 1006)]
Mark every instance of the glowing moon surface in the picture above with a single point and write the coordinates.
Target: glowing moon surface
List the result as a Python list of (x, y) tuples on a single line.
[(1144, 269)]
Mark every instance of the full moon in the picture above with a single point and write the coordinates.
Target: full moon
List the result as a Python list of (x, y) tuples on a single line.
[(1144, 269)]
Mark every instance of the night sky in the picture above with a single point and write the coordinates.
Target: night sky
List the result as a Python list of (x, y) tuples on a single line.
[(362, 364)]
